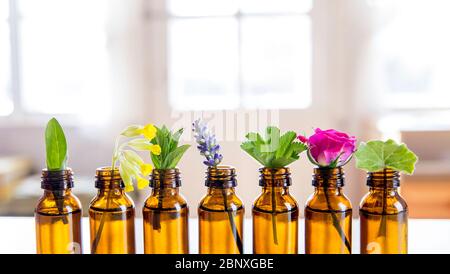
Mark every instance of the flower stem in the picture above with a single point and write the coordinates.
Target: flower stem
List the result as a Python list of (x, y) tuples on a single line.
[(234, 230), (382, 229), (108, 202), (274, 217), (336, 222), (157, 214), (58, 195)]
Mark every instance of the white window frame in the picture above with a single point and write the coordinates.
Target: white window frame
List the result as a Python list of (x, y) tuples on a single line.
[(239, 16)]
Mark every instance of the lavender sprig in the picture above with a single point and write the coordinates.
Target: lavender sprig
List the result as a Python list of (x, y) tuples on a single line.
[(207, 143)]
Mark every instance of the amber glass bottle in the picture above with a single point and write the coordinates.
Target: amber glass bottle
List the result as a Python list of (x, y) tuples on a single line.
[(221, 214), (58, 215), (328, 215), (383, 215), (165, 215), (275, 214), (111, 215)]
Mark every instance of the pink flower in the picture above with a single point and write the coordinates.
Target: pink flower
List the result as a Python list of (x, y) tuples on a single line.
[(302, 139), (331, 147)]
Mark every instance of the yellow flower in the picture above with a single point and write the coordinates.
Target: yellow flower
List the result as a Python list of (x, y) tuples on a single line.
[(155, 149), (146, 169), (149, 131), (129, 187), (142, 183)]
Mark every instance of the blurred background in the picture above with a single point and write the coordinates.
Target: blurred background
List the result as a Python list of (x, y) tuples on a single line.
[(373, 68)]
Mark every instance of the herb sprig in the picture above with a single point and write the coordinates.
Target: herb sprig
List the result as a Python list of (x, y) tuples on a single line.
[(171, 153), (275, 150)]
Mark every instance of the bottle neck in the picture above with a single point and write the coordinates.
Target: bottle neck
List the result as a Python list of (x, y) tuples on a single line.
[(107, 180), (328, 179), (165, 192), (277, 190), (221, 177), (384, 179), (276, 178), (54, 194), (57, 180), (165, 178), (220, 191)]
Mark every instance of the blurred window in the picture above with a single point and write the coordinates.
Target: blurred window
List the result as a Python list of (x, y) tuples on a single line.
[(6, 104), (413, 54), (225, 54), (59, 57)]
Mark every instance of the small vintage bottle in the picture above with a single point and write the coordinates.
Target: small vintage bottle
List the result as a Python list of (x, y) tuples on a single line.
[(383, 215), (221, 214), (58, 215), (111, 215), (165, 215), (328, 214), (275, 214)]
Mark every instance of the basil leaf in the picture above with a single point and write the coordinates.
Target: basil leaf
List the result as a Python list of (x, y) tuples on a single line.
[(56, 146), (174, 157)]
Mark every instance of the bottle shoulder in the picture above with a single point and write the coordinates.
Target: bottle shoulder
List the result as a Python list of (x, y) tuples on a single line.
[(331, 201), (379, 202), (282, 202), (217, 202), (116, 201), (57, 205)]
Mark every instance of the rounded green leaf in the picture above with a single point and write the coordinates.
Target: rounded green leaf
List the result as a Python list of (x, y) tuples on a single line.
[(377, 155)]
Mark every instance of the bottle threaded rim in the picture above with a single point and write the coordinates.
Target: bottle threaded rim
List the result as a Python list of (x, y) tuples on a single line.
[(328, 177), (105, 177), (165, 178), (221, 177), (277, 177), (57, 179), (386, 178)]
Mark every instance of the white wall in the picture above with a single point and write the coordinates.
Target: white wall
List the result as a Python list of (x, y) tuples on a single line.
[(136, 45)]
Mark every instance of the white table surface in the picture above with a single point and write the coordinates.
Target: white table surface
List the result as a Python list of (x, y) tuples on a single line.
[(17, 235)]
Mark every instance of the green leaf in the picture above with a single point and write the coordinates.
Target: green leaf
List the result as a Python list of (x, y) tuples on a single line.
[(56, 146), (156, 160), (171, 153), (274, 151), (256, 137), (174, 157), (285, 142), (377, 155)]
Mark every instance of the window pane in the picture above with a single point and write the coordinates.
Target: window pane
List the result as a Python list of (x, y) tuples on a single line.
[(202, 7), (275, 6), (6, 105), (276, 62), (413, 57), (63, 54), (203, 64)]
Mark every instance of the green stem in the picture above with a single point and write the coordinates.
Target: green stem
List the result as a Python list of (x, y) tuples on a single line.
[(382, 228), (274, 216), (58, 195), (336, 222), (234, 230), (157, 213), (108, 202)]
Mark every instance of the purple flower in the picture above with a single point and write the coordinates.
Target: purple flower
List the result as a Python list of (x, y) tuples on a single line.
[(330, 148), (207, 144)]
